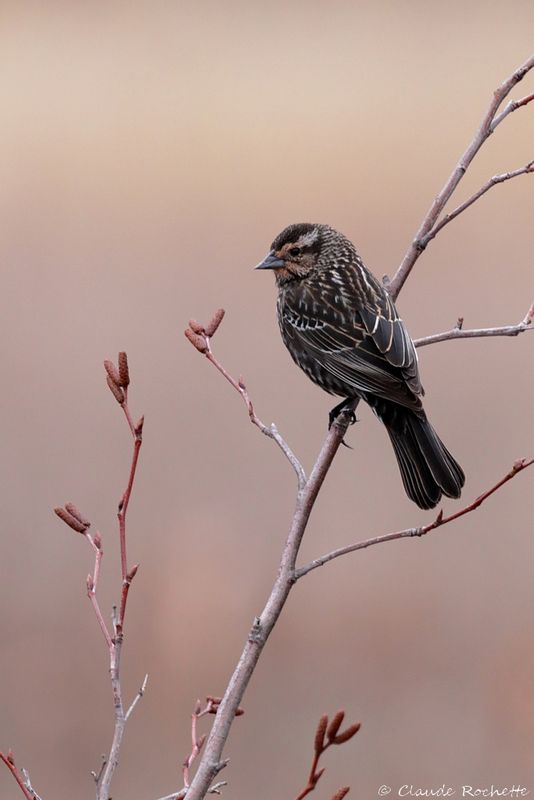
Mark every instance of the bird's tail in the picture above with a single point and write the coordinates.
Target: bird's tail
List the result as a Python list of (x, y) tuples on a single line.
[(428, 469)]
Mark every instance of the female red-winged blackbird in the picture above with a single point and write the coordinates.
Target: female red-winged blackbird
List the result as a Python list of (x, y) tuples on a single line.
[(341, 327)]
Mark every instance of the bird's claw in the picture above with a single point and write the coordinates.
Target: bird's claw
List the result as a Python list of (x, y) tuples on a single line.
[(337, 411)]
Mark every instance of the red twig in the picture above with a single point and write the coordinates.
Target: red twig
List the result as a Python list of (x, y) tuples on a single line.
[(440, 520), (196, 742), (118, 382), (9, 761), (327, 735), (137, 433)]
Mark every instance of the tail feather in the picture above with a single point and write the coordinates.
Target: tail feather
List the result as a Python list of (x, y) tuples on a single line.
[(427, 468)]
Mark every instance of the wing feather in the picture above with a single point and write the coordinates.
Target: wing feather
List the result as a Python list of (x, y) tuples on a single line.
[(368, 348)]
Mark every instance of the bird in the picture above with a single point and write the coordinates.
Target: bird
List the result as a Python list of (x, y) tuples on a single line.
[(342, 329)]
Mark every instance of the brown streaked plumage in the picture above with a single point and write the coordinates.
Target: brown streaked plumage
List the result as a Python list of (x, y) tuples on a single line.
[(342, 328)]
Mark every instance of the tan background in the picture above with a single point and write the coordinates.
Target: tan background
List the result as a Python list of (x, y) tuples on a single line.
[(149, 153)]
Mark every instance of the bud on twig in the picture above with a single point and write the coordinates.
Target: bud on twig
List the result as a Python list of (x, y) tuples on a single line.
[(196, 340), (196, 327), (124, 373), (90, 583), (335, 725), (132, 573), (138, 430), (341, 793), (319, 734), (347, 734), (97, 541), (113, 372), (116, 391), (71, 521), (215, 702), (75, 512), (215, 321)]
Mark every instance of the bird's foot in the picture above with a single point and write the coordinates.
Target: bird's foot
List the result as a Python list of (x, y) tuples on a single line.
[(341, 408)]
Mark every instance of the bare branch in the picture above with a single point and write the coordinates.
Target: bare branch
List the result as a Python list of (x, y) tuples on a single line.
[(459, 333), (488, 124), (440, 520), (506, 176), (204, 347)]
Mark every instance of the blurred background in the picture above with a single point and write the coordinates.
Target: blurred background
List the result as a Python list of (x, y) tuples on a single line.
[(150, 152)]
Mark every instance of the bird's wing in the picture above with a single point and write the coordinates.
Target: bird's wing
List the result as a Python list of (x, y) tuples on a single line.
[(337, 337), (388, 331)]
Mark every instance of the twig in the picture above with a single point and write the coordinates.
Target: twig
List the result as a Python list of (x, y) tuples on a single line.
[(118, 381), (440, 520), (200, 337), (327, 735), (196, 742), (22, 778), (487, 126), (27, 781), (505, 176), (459, 333), (513, 105), (137, 697), (92, 583)]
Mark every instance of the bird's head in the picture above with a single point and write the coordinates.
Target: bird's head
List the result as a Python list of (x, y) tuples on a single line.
[(295, 252)]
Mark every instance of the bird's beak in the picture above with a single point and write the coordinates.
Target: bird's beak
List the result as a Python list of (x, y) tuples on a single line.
[(271, 261)]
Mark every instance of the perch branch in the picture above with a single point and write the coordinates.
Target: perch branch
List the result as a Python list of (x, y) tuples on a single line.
[(458, 331), (199, 336), (210, 763), (440, 520), (486, 128)]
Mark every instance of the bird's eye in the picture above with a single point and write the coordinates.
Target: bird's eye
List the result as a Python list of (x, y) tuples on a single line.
[(294, 251)]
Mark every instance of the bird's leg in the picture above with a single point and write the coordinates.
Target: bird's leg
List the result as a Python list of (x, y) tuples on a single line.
[(337, 410)]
